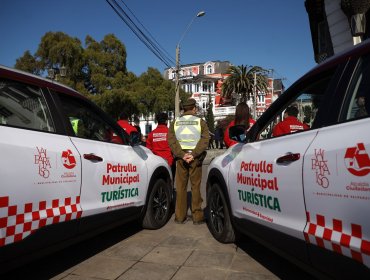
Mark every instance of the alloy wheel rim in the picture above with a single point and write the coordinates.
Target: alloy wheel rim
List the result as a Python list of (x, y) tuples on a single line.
[(217, 213), (160, 205)]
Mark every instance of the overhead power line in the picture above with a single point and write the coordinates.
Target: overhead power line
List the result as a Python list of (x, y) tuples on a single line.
[(141, 32)]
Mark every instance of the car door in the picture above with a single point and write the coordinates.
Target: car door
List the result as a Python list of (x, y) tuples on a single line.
[(114, 175), (40, 169), (337, 178), (265, 178)]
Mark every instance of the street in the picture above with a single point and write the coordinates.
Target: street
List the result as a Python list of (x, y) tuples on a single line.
[(176, 251)]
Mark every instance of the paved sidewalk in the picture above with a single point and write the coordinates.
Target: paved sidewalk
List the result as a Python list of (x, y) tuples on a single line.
[(176, 251)]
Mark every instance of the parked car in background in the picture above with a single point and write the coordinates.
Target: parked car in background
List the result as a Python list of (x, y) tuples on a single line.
[(68, 170), (304, 194)]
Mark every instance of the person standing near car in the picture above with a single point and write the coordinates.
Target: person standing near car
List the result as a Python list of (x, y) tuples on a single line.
[(123, 122), (242, 117), (188, 138), (157, 141), (290, 123)]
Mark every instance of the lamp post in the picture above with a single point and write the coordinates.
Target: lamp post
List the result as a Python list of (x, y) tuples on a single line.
[(53, 72), (177, 94), (263, 71)]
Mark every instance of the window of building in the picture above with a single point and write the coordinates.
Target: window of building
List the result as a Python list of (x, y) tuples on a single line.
[(197, 87), (209, 69), (261, 98), (207, 86), (188, 88)]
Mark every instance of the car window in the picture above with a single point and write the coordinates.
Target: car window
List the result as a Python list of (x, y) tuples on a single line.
[(23, 105), (87, 123), (358, 96), (298, 114)]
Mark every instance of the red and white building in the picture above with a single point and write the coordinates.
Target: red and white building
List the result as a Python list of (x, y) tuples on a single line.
[(204, 81)]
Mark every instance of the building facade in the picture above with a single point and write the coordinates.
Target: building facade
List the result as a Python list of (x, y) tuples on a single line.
[(337, 25), (204, 82)]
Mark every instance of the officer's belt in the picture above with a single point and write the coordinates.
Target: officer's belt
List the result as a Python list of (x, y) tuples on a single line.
[(188, 151)]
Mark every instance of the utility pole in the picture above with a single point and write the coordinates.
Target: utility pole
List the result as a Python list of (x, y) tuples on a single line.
[(177, 95), (255, 96), (177, 92)]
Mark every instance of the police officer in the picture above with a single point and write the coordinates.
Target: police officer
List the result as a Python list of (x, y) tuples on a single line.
[(188, 138)]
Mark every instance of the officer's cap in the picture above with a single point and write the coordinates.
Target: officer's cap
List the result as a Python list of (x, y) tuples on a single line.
[(189, 103)]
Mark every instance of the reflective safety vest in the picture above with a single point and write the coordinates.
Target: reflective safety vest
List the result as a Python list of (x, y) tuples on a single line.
[(187, 129), (76, 125)]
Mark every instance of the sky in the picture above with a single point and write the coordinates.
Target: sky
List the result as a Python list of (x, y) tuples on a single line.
[(273, 34)]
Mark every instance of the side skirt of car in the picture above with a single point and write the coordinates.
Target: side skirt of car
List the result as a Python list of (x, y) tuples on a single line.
[(52, 238), (309, 257)]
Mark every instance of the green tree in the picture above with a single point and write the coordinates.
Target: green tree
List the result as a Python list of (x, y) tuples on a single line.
[(105, 62), (28, 63), (58, 49), (242, 81), (103, 65), (210, 119)]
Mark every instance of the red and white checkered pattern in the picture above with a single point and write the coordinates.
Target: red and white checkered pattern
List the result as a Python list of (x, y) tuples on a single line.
[(330, 234), (17, 222)]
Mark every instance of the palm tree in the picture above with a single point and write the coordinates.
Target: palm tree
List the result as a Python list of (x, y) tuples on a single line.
[(242, 81)]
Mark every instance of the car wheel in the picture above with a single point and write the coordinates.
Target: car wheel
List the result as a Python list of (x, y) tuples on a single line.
[(218, 221), (159, 206)]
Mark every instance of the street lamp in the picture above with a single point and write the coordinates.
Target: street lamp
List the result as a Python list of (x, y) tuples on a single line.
[(262, 71), (177, 96), (53, 72)]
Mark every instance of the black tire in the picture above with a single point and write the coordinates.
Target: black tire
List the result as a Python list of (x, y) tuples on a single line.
[(219, 222), (158, 209)]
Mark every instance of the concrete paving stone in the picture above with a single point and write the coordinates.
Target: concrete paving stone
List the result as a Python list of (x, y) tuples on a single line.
[(103, 267), (245, 263), (64, 273), (162, 232), (179, 242), (188, 229), (211, 244), (201, 258), (133, 252), (153, 236), (250, 276), (77, 277), (198, 273), (150, 271), (167, 255)]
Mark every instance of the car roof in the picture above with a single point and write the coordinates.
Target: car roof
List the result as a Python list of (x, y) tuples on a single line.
[(22, 76)]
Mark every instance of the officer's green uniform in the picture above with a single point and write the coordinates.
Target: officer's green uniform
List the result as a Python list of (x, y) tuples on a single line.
[(188, 134)]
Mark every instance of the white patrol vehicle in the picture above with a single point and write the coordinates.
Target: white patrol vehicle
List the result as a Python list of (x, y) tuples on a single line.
[(67, 169), (306, 194)]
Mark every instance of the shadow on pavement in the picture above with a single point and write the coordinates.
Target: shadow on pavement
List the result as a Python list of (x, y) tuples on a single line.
[(272, 261), (58, 262)]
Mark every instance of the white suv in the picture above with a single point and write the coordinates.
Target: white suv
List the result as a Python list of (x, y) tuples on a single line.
[(304, 194), (67, 169)]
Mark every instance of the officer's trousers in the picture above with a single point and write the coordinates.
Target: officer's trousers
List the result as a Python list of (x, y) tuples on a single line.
[(184, 172)]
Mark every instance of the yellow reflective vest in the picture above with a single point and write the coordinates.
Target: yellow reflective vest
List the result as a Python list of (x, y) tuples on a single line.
[(188, 131)]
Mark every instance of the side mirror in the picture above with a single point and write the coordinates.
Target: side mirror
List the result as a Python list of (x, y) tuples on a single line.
[(237, 133), (135, 138)]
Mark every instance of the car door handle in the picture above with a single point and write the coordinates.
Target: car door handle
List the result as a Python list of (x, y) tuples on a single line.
[(92, 157), (288, 158)]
